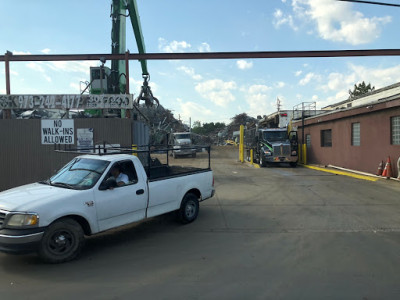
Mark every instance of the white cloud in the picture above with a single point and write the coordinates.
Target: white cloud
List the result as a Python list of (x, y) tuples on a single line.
[(281, 19), (340, 83), (243, 64), (194, 110), (39, 67), (36, 66), (181, 46), (258, 88), (76, 87), (309, 76), (259, 100), (279, 84), (204, 47), (72, 66), (190, 71), (338, 22), (173, 46), (334, 21), (217, 91), (15, 52), (298, 73), (48, 78), (45, 51)]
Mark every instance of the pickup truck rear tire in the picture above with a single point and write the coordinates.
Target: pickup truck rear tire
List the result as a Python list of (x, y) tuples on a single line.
[(61, 242), (189, 209)]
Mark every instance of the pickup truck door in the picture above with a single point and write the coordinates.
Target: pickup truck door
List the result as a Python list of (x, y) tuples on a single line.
[(122, 205)]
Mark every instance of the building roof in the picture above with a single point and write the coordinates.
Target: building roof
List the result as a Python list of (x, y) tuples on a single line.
[(385, 92), (371, 107)]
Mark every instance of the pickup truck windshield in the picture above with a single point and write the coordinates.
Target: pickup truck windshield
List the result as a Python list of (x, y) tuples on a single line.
[(182, 136), (275, 136), (80, 174)]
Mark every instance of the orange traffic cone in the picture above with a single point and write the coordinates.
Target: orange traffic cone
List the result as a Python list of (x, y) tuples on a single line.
[(380, 168), (387, 172)]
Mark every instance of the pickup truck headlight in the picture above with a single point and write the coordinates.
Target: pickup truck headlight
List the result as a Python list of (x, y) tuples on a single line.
[(22, 220)]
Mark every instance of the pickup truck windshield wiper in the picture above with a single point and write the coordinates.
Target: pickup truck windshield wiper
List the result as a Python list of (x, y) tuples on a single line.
[(62, 184), (81, 169), (45, 182)]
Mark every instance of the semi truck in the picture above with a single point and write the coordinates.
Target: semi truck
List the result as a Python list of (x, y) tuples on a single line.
[(272, 145), (182, 142)]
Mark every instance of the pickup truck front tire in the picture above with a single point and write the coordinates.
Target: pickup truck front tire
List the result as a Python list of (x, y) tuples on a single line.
[(189, 209), (62, 241)]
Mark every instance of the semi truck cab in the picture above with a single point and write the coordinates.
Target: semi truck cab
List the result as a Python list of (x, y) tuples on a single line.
[(276, 145)]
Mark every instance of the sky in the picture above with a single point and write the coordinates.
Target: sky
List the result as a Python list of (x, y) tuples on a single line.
[(209, 90)]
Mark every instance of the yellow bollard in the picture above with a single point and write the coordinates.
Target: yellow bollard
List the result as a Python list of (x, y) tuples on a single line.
[(304, 154), (134, 147), (241, 144), (251, 156)]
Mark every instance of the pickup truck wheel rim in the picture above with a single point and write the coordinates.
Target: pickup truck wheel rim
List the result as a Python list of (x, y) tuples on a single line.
[(190, 210), (61, 242)]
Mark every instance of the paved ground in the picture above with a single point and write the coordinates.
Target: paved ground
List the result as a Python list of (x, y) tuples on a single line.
[(271, 233)]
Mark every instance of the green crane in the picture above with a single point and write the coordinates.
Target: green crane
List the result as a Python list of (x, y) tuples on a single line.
[(114, 79)]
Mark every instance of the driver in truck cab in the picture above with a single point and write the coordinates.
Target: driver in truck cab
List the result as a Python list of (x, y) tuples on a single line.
[(119, 177)]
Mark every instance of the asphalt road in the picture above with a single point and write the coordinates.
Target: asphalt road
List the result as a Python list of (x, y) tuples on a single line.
[(271, 233)]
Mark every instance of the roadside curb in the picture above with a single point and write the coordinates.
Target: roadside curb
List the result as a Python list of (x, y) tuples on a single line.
[(254, 165), (337, 172)]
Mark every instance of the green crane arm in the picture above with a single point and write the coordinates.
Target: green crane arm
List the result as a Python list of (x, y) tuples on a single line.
[(137, 29)]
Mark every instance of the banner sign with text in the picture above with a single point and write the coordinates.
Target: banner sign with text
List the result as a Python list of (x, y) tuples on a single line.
[(60, 132), (84, 139), (118, 101)]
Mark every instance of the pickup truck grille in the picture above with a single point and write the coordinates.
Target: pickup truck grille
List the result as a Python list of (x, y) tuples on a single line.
[(2, 217), (281, 150)]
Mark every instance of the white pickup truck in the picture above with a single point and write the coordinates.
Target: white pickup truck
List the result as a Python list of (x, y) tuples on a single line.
[(83, 198)]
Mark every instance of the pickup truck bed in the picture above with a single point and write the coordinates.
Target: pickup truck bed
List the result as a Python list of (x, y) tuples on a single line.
[(165, 171)]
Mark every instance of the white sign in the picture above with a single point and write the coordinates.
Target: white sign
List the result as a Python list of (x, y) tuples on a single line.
[(57, 132), (117, 101), (84, 138)]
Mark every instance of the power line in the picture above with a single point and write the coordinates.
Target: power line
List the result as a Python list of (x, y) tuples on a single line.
[(371, 2)]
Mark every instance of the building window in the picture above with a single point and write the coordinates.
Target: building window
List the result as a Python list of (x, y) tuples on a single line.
[(395, 130), (355, 134), (308, 140), (326, 138)]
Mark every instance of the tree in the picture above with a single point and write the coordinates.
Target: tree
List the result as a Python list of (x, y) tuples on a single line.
[(207, 128), (360, 89), (196, 124)]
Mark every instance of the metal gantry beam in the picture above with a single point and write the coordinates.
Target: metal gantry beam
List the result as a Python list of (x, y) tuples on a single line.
[(206, 55)]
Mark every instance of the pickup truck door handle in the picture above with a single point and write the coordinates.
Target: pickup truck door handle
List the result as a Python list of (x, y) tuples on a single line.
[(140, 192)]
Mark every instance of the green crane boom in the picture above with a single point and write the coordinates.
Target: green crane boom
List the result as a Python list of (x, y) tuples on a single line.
[(137, 29), (118, 38)]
